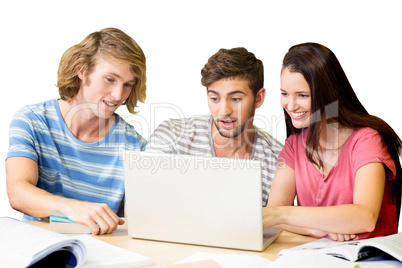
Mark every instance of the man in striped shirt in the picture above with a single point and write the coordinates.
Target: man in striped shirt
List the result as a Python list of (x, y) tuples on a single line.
[(234, 80), (65, 154)]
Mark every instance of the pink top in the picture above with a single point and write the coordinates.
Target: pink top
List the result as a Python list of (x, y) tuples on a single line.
[(364, 146)]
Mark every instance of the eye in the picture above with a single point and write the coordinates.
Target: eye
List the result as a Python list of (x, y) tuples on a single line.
[(128, 85), (110, 79), (213, 99), (303, 96), (284, 94), (236, 99)]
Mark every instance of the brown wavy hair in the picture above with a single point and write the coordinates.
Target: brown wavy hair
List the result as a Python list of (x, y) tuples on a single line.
[(329, 85), (108, 42), (234, 63)]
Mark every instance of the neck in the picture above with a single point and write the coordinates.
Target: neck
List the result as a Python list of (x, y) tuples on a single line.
[(236, 147), (82, 121), (333, 136)]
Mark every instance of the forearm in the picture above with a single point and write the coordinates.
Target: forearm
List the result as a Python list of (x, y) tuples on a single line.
[(346, 219), (303, 231), (36, 202), (26, 197)]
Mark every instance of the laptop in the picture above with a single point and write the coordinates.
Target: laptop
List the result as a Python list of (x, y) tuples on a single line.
[(208, 201)]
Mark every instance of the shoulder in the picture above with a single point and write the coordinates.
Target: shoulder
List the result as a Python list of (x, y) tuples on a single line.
[(194, 122), (184, 126), (366, 145), (183, 135), (36, 114), (367, 136), (366, 140), (266, 146), (295, 144), (297, 138), (266, 139), (128, 131), (42, 108), (365, 131)]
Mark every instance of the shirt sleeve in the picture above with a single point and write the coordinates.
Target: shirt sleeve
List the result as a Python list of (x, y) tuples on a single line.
[(162, 140), (21, 137), (370, 148), (288, 152)]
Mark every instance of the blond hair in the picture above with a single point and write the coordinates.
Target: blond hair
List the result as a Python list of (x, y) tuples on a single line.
[(109, 42)]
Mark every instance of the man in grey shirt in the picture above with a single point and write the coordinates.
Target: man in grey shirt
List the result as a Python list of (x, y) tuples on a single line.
[(234, 79)]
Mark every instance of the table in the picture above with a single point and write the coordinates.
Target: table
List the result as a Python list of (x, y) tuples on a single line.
[(164, 253)]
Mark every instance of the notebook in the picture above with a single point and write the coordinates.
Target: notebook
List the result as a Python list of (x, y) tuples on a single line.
[(199, 200)]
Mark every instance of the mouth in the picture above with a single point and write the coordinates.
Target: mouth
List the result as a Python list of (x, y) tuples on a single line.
[(227, 123), (110, 105), (297, 115)]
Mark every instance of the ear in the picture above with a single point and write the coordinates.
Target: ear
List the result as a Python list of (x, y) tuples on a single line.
[(260, 97), (81, 72)]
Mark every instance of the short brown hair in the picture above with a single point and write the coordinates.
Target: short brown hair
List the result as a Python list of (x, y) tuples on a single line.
[(234, 63), (109, 42)]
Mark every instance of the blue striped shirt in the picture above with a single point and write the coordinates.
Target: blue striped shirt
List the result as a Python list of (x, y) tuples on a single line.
[(67, 166)]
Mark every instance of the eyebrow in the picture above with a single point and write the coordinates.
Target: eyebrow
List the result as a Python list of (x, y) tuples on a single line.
[(229, 94), (118, 76), (298, 92)]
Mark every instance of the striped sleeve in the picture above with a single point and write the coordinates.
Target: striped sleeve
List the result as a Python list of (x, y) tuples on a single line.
[(21, 137), (267, 150), (162, 140)]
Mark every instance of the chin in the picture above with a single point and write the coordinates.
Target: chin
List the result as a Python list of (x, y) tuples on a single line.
[(298, 125)]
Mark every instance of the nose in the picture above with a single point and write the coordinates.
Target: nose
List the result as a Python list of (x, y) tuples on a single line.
[(117, 92), (292, 104), (225, 109)]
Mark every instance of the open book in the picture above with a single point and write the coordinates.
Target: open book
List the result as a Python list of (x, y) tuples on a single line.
[(355, 250), (23, 245)]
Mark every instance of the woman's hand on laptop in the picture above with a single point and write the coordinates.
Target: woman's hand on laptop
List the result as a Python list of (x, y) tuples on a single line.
[(99, 217), (271, 216)]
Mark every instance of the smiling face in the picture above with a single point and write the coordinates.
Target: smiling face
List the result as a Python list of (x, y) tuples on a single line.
[(107, 86), (296, 98), (232, 105)]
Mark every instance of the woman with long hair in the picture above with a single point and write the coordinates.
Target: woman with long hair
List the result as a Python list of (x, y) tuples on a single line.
[(341, 163)]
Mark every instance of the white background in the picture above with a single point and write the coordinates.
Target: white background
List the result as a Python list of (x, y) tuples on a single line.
[(179, 36)]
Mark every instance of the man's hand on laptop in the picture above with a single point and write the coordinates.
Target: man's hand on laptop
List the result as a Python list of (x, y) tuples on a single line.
[(100, 218)]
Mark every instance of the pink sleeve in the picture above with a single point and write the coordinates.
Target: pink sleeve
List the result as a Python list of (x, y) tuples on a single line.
[(370, 148), (288, 152)]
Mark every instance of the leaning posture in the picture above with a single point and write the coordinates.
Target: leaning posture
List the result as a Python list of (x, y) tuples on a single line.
[(340, 162), (234, 82), (64, 156)]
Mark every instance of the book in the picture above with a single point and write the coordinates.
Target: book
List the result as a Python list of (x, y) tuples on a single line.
[(312, 259), (301, 259), (355, 250), (23, 245), (64, 225)]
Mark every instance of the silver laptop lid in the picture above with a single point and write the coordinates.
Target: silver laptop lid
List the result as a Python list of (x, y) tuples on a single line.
[(192, 199)]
